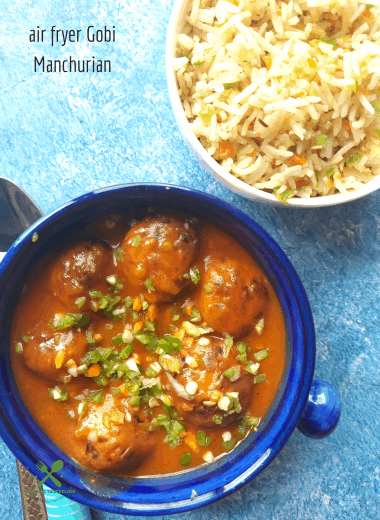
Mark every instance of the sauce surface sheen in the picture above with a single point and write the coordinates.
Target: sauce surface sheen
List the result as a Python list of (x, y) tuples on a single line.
[(153, 266)]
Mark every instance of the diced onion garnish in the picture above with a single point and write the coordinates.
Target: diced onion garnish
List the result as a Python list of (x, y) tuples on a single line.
[(224, 403), (208, 456), (226, 436), (93, 435), (192, 387)]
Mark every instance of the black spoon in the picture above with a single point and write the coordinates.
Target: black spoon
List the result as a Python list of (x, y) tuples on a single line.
[(17, 213)]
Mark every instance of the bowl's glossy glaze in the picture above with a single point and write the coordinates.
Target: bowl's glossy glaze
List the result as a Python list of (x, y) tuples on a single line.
[(191, 488), (176, 25)]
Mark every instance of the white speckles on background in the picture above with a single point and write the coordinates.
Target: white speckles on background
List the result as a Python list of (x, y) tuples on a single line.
[(64, 134)]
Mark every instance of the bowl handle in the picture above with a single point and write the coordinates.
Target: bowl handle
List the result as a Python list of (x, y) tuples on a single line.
[(321, 413)]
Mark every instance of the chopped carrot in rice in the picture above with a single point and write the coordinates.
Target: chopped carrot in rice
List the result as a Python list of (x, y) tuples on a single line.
[(226, 150), (296, 159)]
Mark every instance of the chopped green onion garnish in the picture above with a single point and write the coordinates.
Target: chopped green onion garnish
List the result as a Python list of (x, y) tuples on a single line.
[(194, 275), (261, 378), (176, 317), (171, 364), (284, 196), (148, 284), (330, 172), (173, 429), (90, 339), (252, 367), (118, 253), (259, 327), (198, 63), (142, 338), (330, 41), (19, 348), (232, 372), (229, 341), (69, 320), (186, 457), (259, 356), (136, 241), (246, 422), (376, 106), (80, 301), (100, 380), (217, 419), (169, 344), (149, 325), (128, 302), (95, 294), (195, 315), (115, 391), (202, 439), (242, 349), (116, 286), (126, 352), (208, 288), (58, 394), (150, 372), (118, 340), (378, 132), (25, 338), (321, 140), (234, 405), (228, 445), (227, 86), (96, 396), (35, 237), (355, 157), (135, 400)]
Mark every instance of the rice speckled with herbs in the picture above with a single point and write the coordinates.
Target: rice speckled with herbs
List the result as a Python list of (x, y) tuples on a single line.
[(285, 95)]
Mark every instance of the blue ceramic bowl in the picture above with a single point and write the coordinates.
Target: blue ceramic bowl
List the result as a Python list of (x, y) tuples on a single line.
[(315, 407)]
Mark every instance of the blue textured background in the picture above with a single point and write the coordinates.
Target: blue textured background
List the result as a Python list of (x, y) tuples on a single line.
[(64, 134)]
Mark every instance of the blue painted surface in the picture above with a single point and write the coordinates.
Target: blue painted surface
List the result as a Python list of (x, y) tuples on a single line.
[(62, 135)]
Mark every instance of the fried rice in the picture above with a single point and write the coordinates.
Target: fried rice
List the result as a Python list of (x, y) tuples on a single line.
[(285, 95)]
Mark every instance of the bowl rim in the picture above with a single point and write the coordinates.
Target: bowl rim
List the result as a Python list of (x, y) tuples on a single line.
[(217, 171), (304, 367)]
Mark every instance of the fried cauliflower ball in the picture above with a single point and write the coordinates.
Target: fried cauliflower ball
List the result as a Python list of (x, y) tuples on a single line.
[(78, 268), (113, 438), (157, 253), (47, 351), (196, 391), (232, 295)]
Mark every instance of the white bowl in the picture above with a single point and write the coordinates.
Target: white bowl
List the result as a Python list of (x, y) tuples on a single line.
[(176, 24)]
